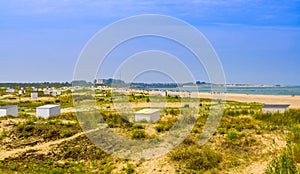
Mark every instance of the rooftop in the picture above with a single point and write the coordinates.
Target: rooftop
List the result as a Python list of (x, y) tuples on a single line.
[(147, 111), (47, 106), (7, 106), (276, 105)]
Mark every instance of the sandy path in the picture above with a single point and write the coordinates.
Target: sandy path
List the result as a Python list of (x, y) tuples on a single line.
[(40, 147)]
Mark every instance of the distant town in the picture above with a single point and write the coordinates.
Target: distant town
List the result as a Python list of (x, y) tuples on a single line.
[(118, 82)]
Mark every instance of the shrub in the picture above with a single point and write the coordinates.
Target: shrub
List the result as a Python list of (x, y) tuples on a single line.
[(208, 159), (197, 159), (138, 134), (232, 135), (3, 134), (138, 126), (160, 128), (129, 169)]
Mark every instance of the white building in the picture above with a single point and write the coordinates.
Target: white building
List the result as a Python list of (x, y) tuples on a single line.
[(47, 111), (9, 110), (164, 93), (22, 91), (58, 92), (99, 81), (150, 115), (9, 90), (34, 95), (272, 108), (54, 94), (46, 92)]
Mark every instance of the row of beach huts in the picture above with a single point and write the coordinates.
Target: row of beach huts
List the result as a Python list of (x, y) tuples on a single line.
[(34, 95), (45, 111)]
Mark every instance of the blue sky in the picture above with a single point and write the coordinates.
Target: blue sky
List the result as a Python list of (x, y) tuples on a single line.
[(257, 40)]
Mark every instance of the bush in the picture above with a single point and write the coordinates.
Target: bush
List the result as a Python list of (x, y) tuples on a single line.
[(232, 135), (138, 126), (3, 134), (197, 159), (208, 159), (138, 134), (160, 128), (129, 169)]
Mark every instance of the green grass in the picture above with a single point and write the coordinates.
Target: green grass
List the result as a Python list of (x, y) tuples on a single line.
[(235, 144)]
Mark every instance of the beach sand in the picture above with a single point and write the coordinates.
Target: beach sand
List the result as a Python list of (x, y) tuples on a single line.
[(294, 101)]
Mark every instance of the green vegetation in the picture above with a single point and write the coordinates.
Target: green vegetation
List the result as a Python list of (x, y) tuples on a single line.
[(285, 163), (244, 136)]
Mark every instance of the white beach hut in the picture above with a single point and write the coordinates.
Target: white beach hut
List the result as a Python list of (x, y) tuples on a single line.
[(272, 108), (22, 91), (34, 95), (47, 111), (10, 90), (54, 94), (9, 110), (149, 115)]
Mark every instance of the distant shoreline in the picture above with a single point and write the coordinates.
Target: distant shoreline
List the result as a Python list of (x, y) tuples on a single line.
[(294, 101)]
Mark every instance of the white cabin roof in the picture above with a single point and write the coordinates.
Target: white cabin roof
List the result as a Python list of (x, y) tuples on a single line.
[(147, 111), (47, 106), (276, 106), (7, 106)]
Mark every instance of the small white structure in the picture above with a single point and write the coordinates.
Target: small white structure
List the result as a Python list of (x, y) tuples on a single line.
[(150, 115), (9, 110), (164, 93), (272, 108), (58, 92), (22, 91), (34, 95), (9, 90), (47, 111), (54, 94), (46, 92), (99, 81)]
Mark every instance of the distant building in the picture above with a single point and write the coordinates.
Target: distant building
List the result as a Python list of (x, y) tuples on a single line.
[(10, 90), (174, 95), (9, 110), (34, 89), (34, 95), (47, 111), (99, 81), (58, 92), (149, 115), (272, 108), (164, 93), (22, 91), (54, 94), (46, 92)]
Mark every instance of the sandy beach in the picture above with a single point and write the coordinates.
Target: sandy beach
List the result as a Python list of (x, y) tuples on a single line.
[(294, 101)]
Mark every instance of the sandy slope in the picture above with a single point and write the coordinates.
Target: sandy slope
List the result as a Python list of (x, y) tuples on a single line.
[(44, 147)]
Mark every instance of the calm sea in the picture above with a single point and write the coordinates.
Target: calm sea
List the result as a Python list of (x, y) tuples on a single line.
[(245, 90)]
